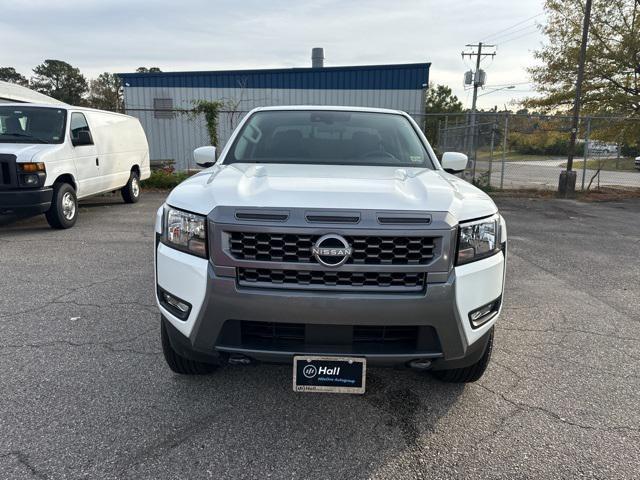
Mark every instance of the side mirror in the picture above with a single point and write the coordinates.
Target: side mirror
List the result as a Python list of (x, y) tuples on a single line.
[(205, 156), (454, 162), (83, 137)]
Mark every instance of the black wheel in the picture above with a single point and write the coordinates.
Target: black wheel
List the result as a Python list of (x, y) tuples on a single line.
[(177, 362), (64, 207), (468, 374), (131, 191)]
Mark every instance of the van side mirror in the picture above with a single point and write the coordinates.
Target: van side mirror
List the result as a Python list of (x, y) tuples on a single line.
[(83, 137), (454, 162), (205, 156)]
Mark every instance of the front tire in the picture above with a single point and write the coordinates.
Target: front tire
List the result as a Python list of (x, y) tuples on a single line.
[(471, 373), (63, 212), (179, 364), (131, 191)]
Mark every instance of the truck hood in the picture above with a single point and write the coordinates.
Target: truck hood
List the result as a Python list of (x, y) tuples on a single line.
[(331, 187), (24, 152)]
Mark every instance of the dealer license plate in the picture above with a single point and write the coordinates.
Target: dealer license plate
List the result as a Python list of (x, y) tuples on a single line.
[(329, 374)]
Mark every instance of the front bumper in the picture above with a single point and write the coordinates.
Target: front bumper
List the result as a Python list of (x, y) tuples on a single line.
[(217, 298), (25, 201)]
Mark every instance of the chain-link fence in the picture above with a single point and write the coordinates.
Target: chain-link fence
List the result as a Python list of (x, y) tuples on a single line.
[(508, 151)]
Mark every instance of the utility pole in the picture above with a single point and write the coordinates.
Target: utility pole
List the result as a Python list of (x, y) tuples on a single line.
[(478, 81), (567, 182)]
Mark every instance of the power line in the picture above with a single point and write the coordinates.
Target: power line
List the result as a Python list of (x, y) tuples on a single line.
[(507, 84), (513, 26), (517, 37), (504, 36)]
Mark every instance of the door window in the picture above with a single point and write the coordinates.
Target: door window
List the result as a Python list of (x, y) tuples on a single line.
[(78, 124)]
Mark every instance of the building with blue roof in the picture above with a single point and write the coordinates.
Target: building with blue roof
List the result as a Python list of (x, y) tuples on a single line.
[(161, 100)]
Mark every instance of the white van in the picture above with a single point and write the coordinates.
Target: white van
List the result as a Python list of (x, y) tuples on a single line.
[(51, 156)]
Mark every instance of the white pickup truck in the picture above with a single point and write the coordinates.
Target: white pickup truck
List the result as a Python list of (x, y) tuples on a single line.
[(53, 155), (331, 238)]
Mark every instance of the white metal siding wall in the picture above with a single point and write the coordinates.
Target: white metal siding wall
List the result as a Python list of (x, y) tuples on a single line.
[(176, 138)]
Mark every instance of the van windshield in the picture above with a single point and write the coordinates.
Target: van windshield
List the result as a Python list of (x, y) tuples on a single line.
[(329, 137), (32, 124)]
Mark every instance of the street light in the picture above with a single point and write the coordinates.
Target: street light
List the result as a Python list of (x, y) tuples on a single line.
[(508, 87)]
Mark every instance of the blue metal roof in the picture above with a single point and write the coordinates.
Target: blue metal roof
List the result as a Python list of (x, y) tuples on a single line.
[(410, 76)]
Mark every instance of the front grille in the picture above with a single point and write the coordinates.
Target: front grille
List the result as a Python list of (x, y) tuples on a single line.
[(274, 336), (270, 332), (391, 281), (385, 335), (7, 170), (296, 248)]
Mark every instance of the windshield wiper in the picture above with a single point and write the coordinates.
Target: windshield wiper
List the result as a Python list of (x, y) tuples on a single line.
[(25, 135)]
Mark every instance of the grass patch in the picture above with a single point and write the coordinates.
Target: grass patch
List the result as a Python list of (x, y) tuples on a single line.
[(608, 164), (164, 179), (604, 194), (512, 156)]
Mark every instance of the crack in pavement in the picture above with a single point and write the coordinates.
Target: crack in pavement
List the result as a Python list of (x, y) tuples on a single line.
[(568, 330), (554, 415), (107, 345), (170, 442), (573, 286), (23, 459), (568, 360), (55, 299)]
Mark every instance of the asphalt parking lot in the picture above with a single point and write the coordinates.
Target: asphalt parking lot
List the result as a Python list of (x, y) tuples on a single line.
[(86, 394)]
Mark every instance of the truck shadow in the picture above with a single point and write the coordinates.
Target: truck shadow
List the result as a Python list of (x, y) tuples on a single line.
[(294, 435)]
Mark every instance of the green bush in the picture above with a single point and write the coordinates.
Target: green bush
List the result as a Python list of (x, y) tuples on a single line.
[(165, 179), (541, 143)]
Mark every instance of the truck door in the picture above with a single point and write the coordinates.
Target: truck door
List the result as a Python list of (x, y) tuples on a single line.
[(85, 156)]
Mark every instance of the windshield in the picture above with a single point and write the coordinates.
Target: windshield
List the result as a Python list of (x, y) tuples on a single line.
[(329, 137), (32, 124)]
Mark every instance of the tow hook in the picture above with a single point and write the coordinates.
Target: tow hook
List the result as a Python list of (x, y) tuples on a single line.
[(237, 359), (420, 364)]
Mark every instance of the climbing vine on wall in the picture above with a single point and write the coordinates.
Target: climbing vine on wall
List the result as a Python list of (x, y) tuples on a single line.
[(210, 110)]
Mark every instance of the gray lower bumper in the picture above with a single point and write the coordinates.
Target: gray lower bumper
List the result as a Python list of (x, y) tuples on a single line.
[(224, 301)]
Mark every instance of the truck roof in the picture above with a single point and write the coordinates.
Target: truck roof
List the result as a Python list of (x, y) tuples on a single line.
[(62, 106), (334, 108)]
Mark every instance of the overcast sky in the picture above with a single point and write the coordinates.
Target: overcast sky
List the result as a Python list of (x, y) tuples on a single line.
[(120, 35)]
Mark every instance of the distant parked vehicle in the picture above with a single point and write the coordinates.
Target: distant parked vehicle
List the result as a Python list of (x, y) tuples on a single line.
[(51, 156), (637, 163)]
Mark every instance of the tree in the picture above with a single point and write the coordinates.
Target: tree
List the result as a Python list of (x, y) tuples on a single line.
[(439, 99), (61, 81), (148, 70), (105, 93), (611, 82), (9, 74)]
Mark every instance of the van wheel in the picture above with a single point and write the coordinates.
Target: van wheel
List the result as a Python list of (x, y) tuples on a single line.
[(131, 191), (63, 212), (468, 374), (177, 362)]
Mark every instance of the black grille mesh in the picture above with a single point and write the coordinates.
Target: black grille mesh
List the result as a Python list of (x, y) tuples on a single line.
[(296, 248), (294, 278)]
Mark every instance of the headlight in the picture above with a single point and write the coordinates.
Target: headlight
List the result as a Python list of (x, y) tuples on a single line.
[(479, 239), (31, 174), (185, 231), (32, 167)]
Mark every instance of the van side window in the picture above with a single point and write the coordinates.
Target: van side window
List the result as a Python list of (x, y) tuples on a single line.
[(78, 124)]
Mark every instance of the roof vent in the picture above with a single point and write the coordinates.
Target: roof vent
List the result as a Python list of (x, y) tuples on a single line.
[(317, 57)]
